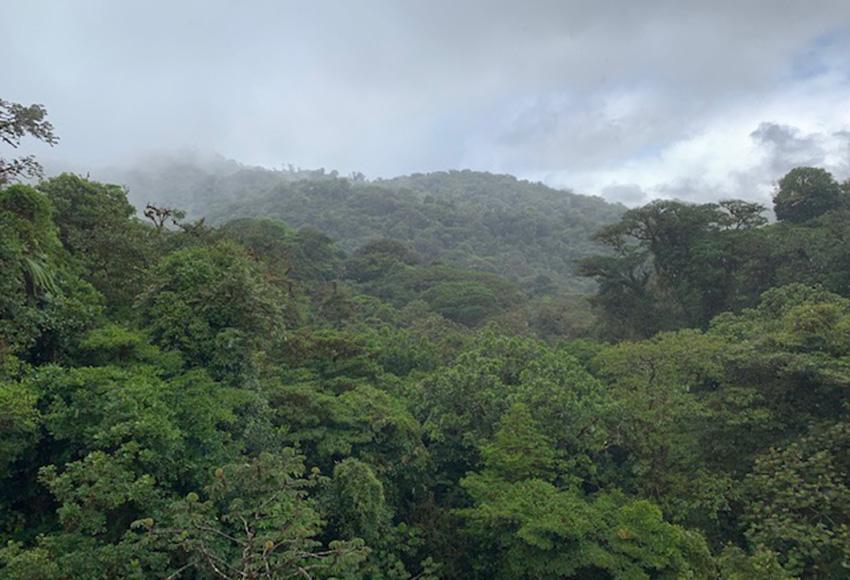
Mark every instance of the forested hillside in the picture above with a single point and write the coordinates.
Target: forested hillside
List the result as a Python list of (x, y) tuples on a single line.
[(243, 398), (526, 232)]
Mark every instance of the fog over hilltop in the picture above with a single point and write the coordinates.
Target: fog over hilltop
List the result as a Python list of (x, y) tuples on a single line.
[(626, 100)]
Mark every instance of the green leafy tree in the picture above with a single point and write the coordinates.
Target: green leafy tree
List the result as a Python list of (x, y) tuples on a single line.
[(792, 350), (254, 520), (19, 422), (97, 226), (805, 193), (461, 407), (735, 564), (466, 302), (799, 503), (44, 303), (529, 528), (212, 305), (743, 215), (98, 497), (657, 414), (669, 269), (359, 508), (378, 259), (362, 422), (16, 122), (519, 449)]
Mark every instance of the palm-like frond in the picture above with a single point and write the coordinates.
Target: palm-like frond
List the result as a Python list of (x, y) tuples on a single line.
[(40, 274)]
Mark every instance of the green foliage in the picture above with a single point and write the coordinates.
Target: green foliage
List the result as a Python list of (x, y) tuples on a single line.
[(19, 422), (43, 301), (671, 267), (468, 303), (118, 345), (100, 494), (173, 428), (461, 406), (519, 450), (541, 530), (378, 259), (472, 220), (211, 305), (799, 503), (359, 507), (97, 227), (16, 122), (656, 410), (305, 255), (736, 564), (678, 265), (247, 401), (562, 317), (531, 529), (805, 193), (794, 347), (363, 423), (254, 520)]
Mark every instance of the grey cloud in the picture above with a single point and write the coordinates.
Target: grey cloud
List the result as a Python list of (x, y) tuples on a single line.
[(842, 165), (788, 147), (390, 87), (586, 132), (629, 194), (693, 189), (783, 147)]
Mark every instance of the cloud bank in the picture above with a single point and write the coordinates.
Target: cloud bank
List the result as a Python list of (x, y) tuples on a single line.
[(629, 100)]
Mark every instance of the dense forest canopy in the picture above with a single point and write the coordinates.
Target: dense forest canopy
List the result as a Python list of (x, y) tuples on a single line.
[(248, 396), (676, 265), (526, 232)]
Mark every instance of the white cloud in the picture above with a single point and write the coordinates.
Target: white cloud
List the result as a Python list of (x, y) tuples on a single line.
[(662, 95), (739, 150)]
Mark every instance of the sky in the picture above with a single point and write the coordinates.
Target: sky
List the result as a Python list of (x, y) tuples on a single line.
[(630, 100)]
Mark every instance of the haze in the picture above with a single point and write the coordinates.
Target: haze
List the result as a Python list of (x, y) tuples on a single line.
[(627, 100)]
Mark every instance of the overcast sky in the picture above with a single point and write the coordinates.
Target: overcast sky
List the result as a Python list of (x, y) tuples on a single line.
[(629, 100)]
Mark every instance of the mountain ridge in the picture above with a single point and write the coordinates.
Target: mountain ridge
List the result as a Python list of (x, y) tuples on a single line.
[(522, 230)]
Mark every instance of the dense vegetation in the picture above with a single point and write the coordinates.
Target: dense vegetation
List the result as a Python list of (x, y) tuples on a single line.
[(526, 232), (252, 401), (677, 265)]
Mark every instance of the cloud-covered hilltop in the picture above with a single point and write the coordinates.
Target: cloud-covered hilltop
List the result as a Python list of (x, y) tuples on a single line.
[(527, 232), (626, 100)]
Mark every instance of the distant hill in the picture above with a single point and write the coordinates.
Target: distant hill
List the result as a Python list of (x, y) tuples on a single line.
[(524, 231)]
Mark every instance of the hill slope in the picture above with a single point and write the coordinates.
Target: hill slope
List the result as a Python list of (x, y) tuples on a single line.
[(527, 232)]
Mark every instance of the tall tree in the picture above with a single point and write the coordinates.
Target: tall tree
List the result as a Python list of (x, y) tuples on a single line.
[(16, 122), (805, 193)]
